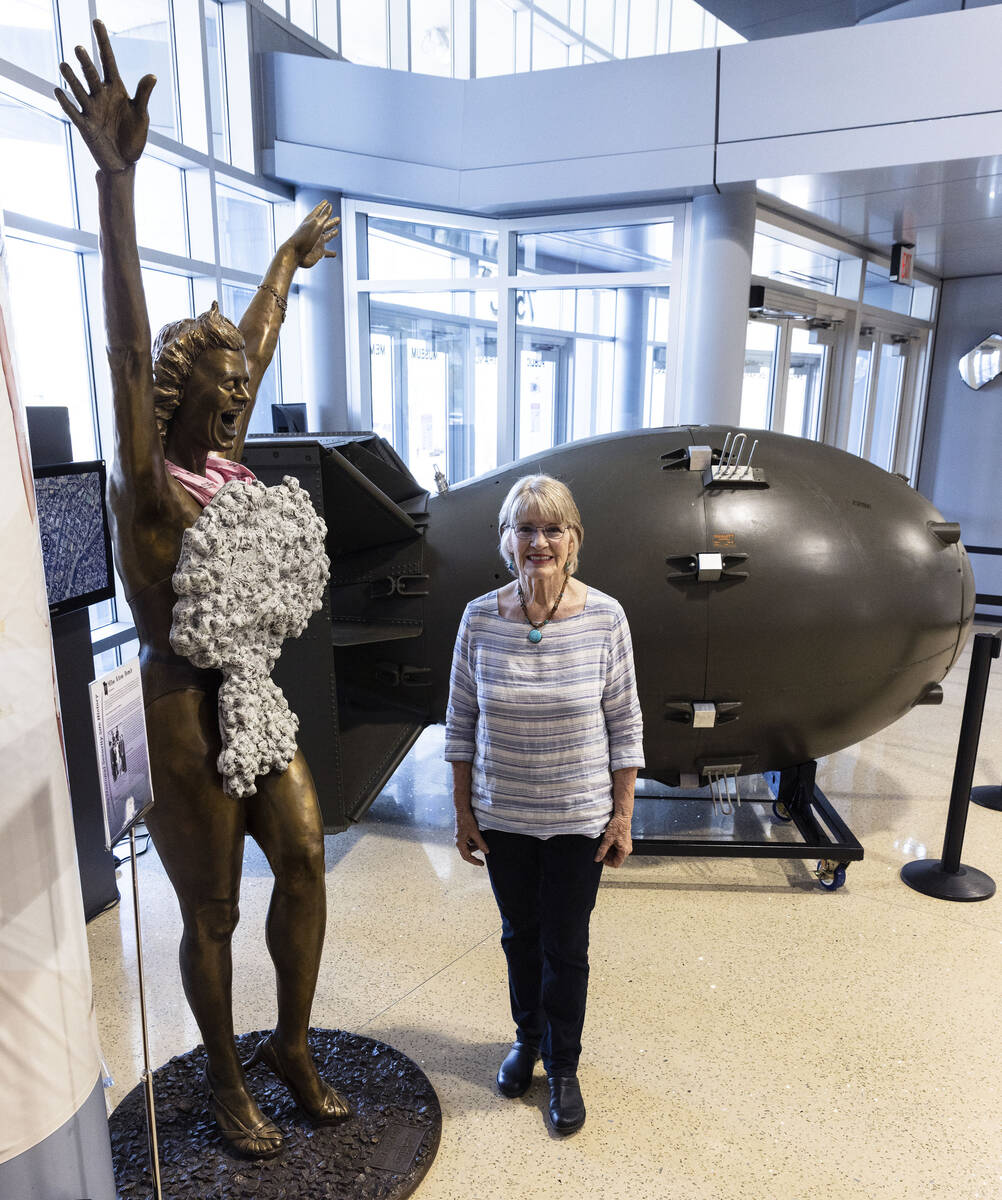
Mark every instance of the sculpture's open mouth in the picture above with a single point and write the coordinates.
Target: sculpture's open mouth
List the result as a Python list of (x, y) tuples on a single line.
[(229, 421)]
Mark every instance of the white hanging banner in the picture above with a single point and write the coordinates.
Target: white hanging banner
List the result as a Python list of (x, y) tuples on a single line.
[(49, 1058)]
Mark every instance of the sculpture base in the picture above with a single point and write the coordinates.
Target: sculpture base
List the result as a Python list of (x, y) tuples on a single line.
[(380, 1152)]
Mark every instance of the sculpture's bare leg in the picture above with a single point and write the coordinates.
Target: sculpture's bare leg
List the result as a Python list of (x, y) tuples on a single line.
[(284, 818), (199, 834)]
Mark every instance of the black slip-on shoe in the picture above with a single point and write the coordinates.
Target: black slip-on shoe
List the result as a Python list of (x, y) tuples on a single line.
[(515, 1073), (567, 1110)]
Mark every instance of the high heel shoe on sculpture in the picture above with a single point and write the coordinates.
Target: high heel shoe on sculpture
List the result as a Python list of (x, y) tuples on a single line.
[(332, 1108), (261, 1140)]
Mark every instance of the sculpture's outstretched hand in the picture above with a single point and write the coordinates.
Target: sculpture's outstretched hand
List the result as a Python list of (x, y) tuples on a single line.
[(113, 125), (311, 238)]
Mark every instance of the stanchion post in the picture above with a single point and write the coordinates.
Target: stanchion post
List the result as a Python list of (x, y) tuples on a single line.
[(947, 878), (151, 1116)]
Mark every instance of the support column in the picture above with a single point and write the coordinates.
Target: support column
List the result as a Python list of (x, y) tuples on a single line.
[(716, 317), (631, 345), (322, 336)]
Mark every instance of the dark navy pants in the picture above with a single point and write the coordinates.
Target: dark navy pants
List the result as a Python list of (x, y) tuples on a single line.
[(546, 889)]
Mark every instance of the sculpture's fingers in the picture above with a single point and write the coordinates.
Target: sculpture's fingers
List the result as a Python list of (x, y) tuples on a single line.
[(143, 89), (74, 113), (88, 68), (76, 87), (106, 52)]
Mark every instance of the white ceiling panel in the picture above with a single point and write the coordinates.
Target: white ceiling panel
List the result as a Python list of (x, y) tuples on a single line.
[(951, 211)]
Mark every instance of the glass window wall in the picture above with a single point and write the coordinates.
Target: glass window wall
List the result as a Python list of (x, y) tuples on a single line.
[(916, 299), (141, 38), (28, 36), (53, 362), (246, 232), (795, 260), (365, 32), (36, 172), (412, 250), (216, 57), (233, 300), (168, 298), (511, 35), (431, 37), (586, 251), (161, 216), (558, 333)]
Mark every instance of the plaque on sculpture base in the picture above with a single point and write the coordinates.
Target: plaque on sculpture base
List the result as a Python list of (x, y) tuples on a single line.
[(380, 1152)]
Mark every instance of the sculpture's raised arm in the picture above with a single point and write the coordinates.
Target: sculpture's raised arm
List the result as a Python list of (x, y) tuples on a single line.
[(263, 317), (114, 127)]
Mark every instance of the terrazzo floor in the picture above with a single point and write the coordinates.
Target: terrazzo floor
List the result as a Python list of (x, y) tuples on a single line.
[(748, 1035)]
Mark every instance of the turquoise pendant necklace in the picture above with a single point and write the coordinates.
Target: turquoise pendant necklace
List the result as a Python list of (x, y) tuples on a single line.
[(536, 632)]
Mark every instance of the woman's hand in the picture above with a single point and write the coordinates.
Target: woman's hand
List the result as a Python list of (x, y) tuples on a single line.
[(310, 240), (113, 125), (616, 845), (469, 838)]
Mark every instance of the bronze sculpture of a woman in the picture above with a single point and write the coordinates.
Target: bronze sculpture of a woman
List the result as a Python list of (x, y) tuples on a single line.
[(194, 401)]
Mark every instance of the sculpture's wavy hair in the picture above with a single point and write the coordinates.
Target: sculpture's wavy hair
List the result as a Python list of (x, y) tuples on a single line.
[(542, 498), (175, 352)]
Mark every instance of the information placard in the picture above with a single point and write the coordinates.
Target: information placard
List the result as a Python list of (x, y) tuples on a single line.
[(116, 705)]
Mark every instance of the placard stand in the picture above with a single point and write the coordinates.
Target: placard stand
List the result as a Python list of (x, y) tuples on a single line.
[(151, 1116), (123, 759)]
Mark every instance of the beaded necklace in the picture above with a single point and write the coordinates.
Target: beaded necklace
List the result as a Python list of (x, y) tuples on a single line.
[(536, 632)]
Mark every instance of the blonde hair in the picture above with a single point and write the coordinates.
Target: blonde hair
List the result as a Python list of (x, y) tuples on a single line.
[(175, 352), (552, 501)]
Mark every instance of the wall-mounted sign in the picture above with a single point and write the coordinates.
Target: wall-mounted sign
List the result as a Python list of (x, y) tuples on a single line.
[(902, 257)]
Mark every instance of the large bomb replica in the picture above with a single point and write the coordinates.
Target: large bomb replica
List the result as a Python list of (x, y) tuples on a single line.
[(780, 611)]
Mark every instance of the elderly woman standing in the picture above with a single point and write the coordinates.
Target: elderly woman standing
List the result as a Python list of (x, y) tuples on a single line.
[(545, 738)]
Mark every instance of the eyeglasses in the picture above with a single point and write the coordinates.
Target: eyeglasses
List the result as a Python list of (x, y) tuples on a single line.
[(525, 533)]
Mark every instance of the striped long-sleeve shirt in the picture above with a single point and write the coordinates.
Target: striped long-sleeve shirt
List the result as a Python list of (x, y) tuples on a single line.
[(544, 725)]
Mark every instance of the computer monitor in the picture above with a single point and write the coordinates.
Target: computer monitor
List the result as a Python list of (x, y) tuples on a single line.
[(76, 539), (288, 418)]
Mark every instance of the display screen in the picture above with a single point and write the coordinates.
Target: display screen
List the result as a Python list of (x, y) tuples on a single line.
[(288, 418), (76, 543)]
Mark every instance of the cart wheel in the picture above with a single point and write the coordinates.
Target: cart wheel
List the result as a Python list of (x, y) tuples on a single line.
[(780, 811), (830, 875)]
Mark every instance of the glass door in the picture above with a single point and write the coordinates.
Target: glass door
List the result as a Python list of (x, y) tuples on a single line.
[(434, 392), (798, 411), (880, 381), (859, 399), (786, 377), (761, 360), (887, 403), (542, 394)]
